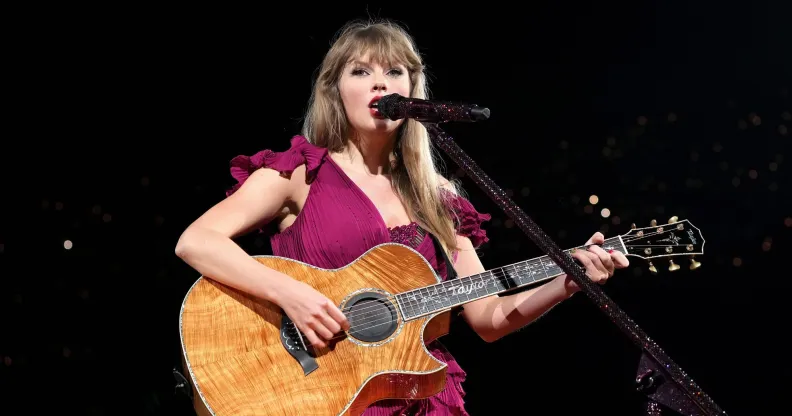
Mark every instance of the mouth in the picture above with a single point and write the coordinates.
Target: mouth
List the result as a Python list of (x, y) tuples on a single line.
[(373, 107), (374, 101)]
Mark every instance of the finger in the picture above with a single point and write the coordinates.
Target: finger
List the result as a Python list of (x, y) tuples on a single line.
[(313, 339), (587, 260), (320, 329), (337, 315), (596, 265), (330, 323), (619, 259), (597, 270), (605, 258), (598, 238), (584, 259)]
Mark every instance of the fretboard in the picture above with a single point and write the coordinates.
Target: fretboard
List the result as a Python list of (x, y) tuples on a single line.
[(441, 296)]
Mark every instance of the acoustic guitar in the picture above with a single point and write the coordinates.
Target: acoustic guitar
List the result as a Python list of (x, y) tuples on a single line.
[(244, 356)]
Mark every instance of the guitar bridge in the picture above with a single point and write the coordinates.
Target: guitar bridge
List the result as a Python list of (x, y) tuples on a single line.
[(293, 341)]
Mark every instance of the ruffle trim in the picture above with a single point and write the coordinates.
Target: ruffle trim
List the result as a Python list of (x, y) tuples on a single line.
[(301, 151), (467, 219)]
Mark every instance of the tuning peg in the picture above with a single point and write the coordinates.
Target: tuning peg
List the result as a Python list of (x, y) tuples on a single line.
[(694, 264), (673, 219), (672, 266), (632, 227), (652, 268), (653, 223)]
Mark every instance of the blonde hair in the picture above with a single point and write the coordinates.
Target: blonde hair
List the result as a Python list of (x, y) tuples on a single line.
[(414, 175)]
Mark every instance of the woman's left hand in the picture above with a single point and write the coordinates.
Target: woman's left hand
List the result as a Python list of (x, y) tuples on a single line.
[(599, 264)]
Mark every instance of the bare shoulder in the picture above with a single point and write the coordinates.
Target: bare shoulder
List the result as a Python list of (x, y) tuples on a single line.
[(264, 196), (447, 184)]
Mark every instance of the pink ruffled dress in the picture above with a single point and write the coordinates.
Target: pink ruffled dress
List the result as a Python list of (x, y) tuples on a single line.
[(339, 223)]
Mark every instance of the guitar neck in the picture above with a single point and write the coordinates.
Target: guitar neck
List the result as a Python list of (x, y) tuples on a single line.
[(441, 296)]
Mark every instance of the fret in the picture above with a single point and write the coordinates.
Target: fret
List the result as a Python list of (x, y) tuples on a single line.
[(400, 305), (445, 295), (490, 282), (446, 300)]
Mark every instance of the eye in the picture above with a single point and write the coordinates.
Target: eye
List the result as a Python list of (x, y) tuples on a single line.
[(358, 71), (396, 72)]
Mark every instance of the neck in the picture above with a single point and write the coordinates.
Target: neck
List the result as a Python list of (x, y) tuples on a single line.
[(370, 153), (445, 295)]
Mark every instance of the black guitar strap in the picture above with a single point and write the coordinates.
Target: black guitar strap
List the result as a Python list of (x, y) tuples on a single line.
[(450, 272)]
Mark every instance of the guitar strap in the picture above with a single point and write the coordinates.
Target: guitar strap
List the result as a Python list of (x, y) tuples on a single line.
[(450, 272)]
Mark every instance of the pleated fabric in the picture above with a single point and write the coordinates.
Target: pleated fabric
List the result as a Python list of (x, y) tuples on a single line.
[(339, 223)]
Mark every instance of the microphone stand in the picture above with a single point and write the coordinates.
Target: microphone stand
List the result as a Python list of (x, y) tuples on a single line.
[(659, 378)]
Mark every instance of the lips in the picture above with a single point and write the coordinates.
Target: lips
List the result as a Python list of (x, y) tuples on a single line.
[(373, 102), (373, 107)]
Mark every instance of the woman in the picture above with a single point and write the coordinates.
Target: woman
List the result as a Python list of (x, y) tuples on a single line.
[(353, 180)]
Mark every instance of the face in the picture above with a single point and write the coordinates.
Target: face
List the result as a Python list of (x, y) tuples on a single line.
[(363, 82)]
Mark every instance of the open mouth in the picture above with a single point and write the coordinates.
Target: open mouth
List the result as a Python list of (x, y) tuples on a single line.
[(374, 101), (373, 107)]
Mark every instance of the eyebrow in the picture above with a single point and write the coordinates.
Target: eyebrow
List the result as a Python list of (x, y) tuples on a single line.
[(368, 64)]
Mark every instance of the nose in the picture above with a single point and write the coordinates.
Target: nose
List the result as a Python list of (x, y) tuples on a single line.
[(379, 86)]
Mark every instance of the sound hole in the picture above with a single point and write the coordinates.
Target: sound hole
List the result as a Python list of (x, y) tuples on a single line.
[(372, 317)]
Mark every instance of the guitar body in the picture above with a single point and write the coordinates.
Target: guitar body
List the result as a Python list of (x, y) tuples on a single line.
[(243, 356)]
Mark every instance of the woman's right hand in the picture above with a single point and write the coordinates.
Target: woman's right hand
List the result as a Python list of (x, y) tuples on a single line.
[(313, 313)]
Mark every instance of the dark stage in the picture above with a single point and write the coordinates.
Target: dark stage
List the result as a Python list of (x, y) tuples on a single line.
[(603, 115)]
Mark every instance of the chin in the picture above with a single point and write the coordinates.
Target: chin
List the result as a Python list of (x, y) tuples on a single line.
[(384, 124)]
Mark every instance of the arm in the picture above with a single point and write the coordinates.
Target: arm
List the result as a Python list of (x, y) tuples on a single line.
[(494, 317), (207, 245)]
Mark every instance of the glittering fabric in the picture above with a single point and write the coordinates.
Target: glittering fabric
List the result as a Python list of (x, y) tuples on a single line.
[(339, 223)]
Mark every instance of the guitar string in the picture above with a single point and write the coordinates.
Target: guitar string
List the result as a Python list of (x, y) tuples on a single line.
[(497, 273), (413, 303), (389, 320), (539, 259), (489, 275), (493, 276), (363, 312)]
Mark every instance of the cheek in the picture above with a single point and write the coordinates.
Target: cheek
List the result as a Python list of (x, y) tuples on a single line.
[(403, 88), (351, 96)]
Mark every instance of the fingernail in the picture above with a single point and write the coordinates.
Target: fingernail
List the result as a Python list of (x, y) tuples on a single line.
[(573, 250), (610, 251)]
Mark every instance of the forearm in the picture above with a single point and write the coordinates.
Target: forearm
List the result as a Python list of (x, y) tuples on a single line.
[(218, 257), (506, 314)]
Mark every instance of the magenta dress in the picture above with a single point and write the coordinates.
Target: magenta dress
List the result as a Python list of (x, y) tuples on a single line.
[(338, 224)]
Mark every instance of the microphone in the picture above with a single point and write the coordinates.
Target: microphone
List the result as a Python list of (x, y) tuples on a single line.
[(396, 107)]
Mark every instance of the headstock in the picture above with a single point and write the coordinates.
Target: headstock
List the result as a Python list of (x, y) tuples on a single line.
[(676, 238)]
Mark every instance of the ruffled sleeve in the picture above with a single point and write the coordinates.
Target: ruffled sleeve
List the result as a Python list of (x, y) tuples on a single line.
[(467, 219), (301, 151)]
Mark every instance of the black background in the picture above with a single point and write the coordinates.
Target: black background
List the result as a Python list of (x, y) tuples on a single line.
[(139, 110)]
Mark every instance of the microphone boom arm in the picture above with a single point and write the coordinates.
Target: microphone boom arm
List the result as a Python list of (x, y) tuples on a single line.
[(682, 395)]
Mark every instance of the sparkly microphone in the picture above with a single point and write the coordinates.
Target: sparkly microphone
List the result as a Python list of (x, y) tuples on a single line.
[(396, 107)]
